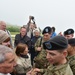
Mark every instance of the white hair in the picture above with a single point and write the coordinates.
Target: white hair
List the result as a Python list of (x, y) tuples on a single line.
[(36, 30), (3, 51)]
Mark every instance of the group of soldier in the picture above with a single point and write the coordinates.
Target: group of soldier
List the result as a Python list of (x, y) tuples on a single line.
[(50, 54)]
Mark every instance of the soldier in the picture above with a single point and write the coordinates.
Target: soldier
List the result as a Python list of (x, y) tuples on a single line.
[(33, 41), (71, 54), (69, 33), (40, 59), (56, 49)]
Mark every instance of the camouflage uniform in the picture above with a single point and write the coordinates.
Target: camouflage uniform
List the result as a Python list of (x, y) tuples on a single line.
[(40, 59), (72, 63), (58, 70)]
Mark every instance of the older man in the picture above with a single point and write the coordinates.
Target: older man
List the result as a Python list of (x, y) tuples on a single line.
[(22, 38), (7, 60), (3, 27)]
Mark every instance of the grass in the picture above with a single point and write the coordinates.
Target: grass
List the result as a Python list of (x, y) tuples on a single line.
[(13, 35)]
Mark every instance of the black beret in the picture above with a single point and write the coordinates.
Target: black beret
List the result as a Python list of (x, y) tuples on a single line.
[(68, 32), (47, 30), (71, 41), (56, 43)]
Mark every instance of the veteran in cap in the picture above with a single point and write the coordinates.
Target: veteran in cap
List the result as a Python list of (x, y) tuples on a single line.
[(56, 49), (71, 53), (69, 33)]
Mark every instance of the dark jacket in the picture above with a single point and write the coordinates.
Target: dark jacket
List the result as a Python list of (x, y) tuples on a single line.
[(24, 40)]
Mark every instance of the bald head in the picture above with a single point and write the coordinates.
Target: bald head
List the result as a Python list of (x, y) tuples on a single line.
[(2, 25)]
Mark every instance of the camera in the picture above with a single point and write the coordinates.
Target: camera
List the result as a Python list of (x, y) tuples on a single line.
[(32, 17)]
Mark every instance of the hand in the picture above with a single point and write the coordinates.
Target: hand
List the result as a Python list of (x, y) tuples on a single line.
[(31, 72), (28, 73), (39, 49), (30, 17), (36, 70)]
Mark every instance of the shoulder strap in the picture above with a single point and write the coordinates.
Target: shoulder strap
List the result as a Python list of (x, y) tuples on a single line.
[(8, 32), (40, 42)]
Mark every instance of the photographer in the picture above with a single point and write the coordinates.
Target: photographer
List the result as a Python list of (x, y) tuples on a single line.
[(31, 26)]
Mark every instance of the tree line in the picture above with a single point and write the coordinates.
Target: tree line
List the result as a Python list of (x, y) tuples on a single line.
[(13, 28)]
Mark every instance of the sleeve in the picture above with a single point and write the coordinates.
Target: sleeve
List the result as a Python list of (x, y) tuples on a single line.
[(19, 69), (10, 38), (72, 64), (37, 44), (73, 68), (43, 70), (16, 40), (29, 44)]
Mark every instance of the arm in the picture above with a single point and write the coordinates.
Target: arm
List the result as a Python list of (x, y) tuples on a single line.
[(16, 40), (28, 24), (38, 45), (19, 69), (35, 71)]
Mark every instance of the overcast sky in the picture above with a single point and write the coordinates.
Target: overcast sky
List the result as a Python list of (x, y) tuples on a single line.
[(58, 13)]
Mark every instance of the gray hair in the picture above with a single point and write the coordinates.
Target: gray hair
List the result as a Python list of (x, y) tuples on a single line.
[(2, 22), (3, 51)]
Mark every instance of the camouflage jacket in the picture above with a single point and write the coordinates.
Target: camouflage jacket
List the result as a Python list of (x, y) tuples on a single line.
[(72, 63), (40, 59), (59, 70)]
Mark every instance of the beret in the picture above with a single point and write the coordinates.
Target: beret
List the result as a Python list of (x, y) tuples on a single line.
[(68, 32), (71, 41), (3, 36), (56, 43), (47, 30)]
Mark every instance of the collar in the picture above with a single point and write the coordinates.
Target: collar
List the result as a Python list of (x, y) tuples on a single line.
[(5, 74), (24, 56)]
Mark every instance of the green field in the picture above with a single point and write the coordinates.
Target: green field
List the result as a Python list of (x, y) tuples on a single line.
[(13, 35)]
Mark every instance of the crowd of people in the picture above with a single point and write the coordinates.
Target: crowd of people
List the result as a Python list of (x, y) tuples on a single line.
[(36, 54)]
